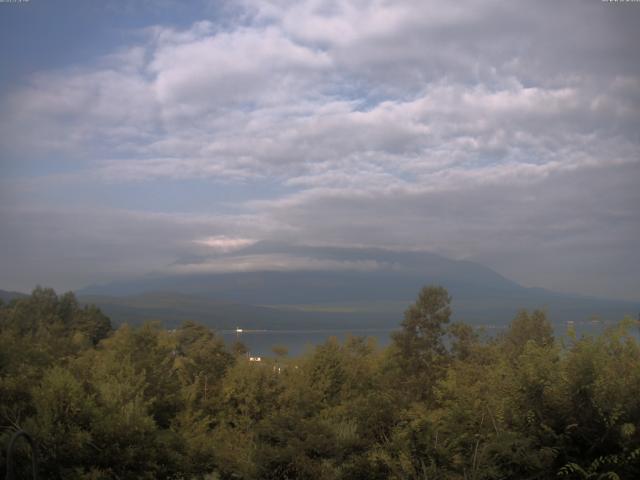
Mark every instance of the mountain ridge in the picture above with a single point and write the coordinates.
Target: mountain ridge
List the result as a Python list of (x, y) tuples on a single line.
[(8, 295), (376, 296)]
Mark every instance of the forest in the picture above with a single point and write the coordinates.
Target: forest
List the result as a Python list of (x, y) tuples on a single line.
[(442, 401)]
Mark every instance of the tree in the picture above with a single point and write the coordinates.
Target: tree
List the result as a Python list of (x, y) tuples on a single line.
[(525, 328), (420, 349), (463, 340)]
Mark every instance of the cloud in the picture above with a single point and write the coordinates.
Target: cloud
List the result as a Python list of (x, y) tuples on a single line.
[(271, 262), (224, 244), (260, 93), (70, 247), (480, 130)]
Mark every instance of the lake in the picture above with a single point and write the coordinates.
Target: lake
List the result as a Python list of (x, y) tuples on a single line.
[(260, 342)]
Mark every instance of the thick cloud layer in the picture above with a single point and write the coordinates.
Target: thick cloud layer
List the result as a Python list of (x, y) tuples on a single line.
[(502, 132)]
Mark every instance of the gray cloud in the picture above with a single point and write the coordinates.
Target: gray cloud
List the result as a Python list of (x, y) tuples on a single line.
[(501, 132)]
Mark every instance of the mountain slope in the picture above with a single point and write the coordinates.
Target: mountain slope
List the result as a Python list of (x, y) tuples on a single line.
[(7, 296), (171, 309), (374, 296)]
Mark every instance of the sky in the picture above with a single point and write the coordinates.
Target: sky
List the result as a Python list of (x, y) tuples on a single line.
[(166, 136)]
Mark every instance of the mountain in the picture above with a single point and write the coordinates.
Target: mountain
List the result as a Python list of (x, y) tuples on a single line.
[(360, 287), (171, 309), (6, 296), (354, 274)]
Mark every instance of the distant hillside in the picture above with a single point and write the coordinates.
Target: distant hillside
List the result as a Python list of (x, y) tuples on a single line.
[(7, 296), (173, 308), (374, 297), (393, 276)]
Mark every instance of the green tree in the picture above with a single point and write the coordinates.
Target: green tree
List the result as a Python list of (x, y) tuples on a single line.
[(62, 424), (419, 346), (527, 327)]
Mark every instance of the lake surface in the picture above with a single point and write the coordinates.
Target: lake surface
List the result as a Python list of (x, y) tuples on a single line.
[(260, 342)]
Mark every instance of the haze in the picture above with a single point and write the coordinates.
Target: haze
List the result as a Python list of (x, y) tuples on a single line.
[(141, 137)]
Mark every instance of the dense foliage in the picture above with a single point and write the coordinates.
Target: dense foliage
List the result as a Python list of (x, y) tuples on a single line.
[(440, 402)]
